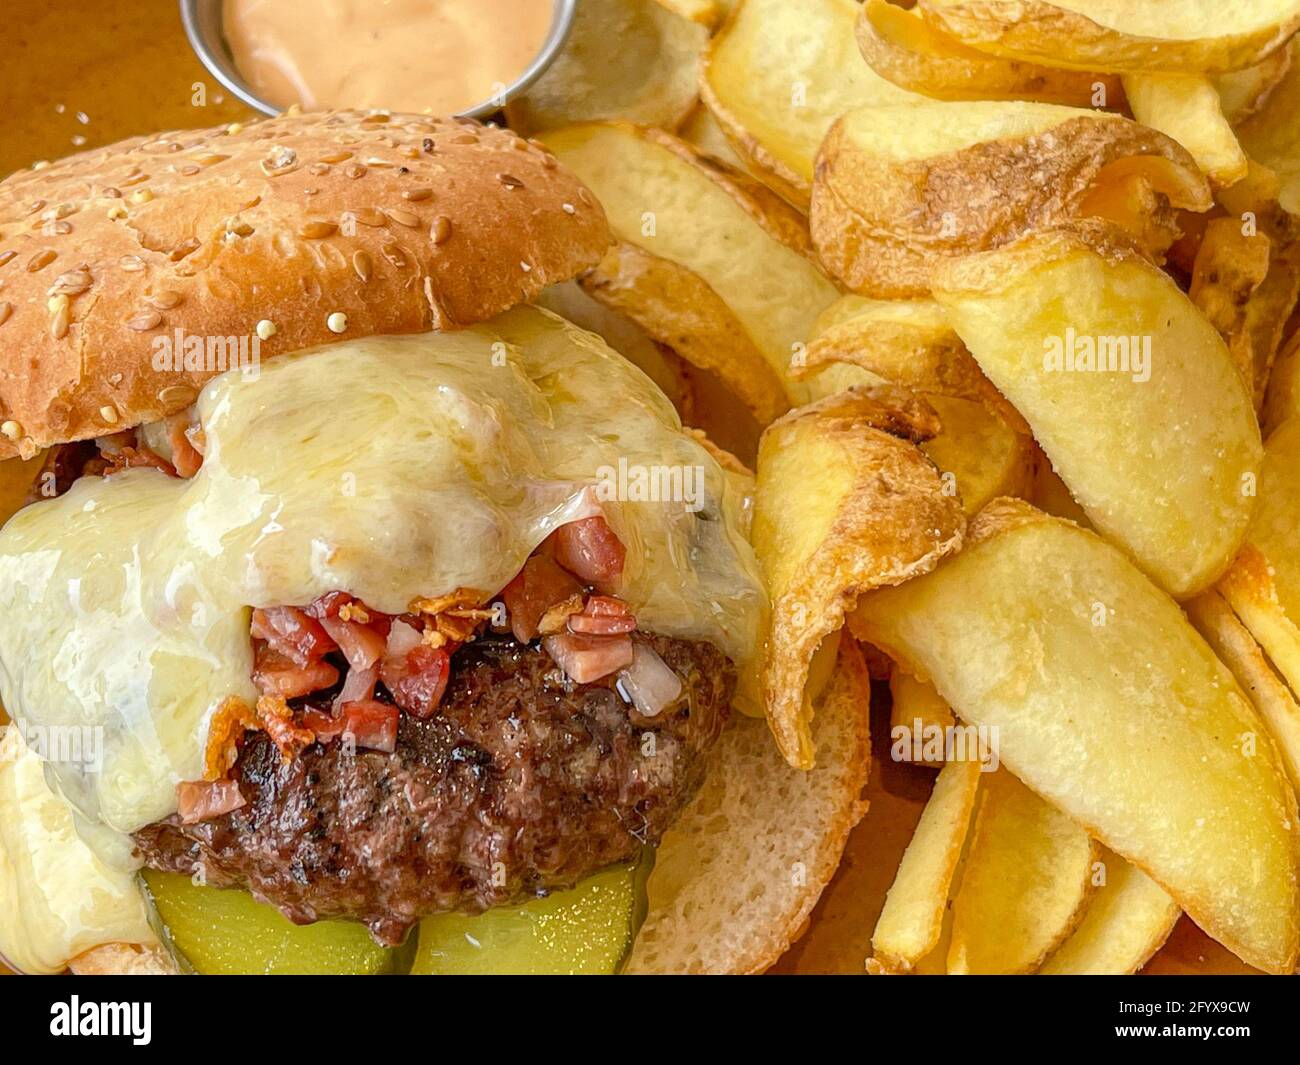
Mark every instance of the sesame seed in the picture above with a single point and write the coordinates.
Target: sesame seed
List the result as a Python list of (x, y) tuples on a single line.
[(415, 195), (141, 196), (164, 299), (41, 260), (116, 211), (265, 329), (569, 208), (403, 217), (108, 414), (145, 321), (362, 263), (235, 128), (6, 309), (525, 268), (7, 256), (337, 322), (11, 429), (316, 230), (441, 230)]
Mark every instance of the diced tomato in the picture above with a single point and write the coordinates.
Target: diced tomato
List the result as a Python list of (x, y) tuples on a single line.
[(325, 727), (536, 588), (274, 674), (418, 680), (361, 645), (603, 615), (201, 800), (588, 658), (358, 684), (590, 549), (328, 605), (292, 632), (185, 456), (371, 723)]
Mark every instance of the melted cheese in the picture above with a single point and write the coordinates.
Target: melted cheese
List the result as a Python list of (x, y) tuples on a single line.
[(57, 897), (389, 467)]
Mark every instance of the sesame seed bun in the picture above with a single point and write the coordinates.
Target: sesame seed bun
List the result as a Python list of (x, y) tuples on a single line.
[(320, 227)]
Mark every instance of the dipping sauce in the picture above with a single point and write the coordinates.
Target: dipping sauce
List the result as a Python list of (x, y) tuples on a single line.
[(441, 56)]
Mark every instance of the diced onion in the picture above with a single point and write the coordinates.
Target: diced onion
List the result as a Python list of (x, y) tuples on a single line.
[(649, 682)]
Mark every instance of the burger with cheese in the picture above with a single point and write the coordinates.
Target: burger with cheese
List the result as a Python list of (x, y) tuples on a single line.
[(325, 606)]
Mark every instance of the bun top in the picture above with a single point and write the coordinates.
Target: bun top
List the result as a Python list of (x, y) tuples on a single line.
[(283, 234)]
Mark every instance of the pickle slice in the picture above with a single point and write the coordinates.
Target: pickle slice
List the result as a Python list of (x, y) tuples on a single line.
[(228, 933), (587, 930)]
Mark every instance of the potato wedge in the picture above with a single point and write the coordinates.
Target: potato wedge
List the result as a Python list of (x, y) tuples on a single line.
[(1128, 919), (654, 81), (845, 502), (1187, 108), (1025, 884), (1129, 390), (906, 342), (1282, 396), (917, 713), (1271, 137), (678, 308), (914, 55), (911, 922), (1237, 650), (979, 456), (737, 237), (898, 193), (1263, 585), (778, 74), (1172, 36), (1108, 705), (1243, 92), (1230, 266)]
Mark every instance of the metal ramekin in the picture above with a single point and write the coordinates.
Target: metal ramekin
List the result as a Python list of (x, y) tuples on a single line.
[(202, 20)]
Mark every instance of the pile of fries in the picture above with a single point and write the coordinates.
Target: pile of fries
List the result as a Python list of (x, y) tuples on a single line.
[(1009, 290)]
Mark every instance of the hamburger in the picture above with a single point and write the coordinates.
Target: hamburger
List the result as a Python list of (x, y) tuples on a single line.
[(336, 598)]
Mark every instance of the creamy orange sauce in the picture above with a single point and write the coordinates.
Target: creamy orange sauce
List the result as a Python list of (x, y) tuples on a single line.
[(441, 56)]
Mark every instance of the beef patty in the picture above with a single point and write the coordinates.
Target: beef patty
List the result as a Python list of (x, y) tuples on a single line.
[(520, 783)]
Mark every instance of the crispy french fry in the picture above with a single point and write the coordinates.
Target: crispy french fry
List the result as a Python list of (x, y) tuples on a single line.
[(910, 925), (778, 74), (1282, 397), (1106, 703), (1243, 92), (1229, 266), (1128, 919), (1129, 390), (1025, 883), (654, 80), (1121, 35), (845, 502), (1263, 585), (978, 455), (1187, 108), (899, 192), (1237, 650), (917, 711), (916, 56), (1271, 137)]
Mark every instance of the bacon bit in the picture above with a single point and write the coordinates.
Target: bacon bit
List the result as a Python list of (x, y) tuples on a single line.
[(292, 632), (202, 800), (371, 723), (459, 602), (590, 549), (556, 617), (274, 674), (354, 611), (186, 458), (229, 722), (535, 589), (274, 715), (359, 684), (361, 646), (589, 658), (418, 680), (130, 457), (603, 616)]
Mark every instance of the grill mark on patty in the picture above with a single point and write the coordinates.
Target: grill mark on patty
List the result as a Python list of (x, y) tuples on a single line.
[(517, 767)]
